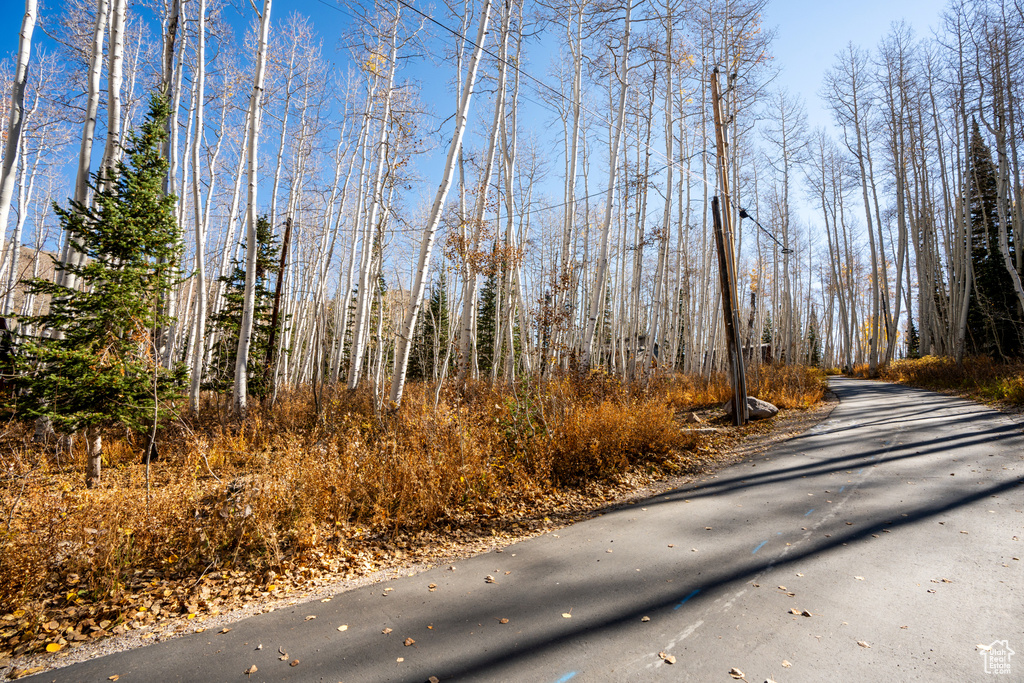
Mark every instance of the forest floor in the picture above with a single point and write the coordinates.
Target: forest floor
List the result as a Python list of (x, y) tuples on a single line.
[(218, 598)]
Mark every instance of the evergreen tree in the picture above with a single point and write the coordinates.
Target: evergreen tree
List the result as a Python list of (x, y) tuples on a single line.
[(813, 341), (431, 337), (485, 324), (94, 366), (226, 323), (993, 320)]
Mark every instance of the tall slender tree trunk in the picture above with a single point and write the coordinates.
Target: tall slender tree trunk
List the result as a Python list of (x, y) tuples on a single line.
[(240, 394), (12, 149), (429, 233)]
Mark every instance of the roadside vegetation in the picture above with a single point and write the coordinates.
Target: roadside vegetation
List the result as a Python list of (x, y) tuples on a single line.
[(980, 377), (321, 486)]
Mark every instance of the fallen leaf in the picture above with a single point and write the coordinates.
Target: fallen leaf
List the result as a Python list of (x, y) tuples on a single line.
[(284, 655), (490, 579), (707, 528), (294, 662), (806, 613), (986, 648), (566, 615), (794, 610), (736, 673), (251, 670), (409, 641), (862, 643), (786, 664), (224, 630), (400, 659), (260, 646), (645, 618), (386, 631), (799, 574), (21, 673), (310, 617), (432, 587), (502, 621), (326, 600), (669, 659), (54, 647), (343, 627), (782, 588), (507, 573), (113, 678), (433, 679), (859, 578)]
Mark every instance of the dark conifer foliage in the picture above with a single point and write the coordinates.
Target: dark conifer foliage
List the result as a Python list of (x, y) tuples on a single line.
[(94, 364), (226, 322), (994, 322)]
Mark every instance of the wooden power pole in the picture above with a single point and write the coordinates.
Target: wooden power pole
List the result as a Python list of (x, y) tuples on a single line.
[(725, 241)]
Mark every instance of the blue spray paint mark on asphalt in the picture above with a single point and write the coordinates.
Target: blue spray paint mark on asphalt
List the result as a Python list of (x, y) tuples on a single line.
[(808, 512), (566, 677), (695, 591), (861, 471), (841, 489), (759, 546)]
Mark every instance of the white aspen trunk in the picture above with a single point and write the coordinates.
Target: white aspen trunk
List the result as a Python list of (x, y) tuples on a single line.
[(26, 185), (467, 333), (94, 456), (597, 297), (230, 241), (284, 134), (199, 328), (373, 230), (16, 123), (241, 387), (112, 151), (69, 254), (345, 293), (430, 232)]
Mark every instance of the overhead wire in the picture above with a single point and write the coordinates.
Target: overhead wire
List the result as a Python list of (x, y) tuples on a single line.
[(557, 93)]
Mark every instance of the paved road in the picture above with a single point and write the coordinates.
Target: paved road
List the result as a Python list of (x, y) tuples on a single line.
[(896, 523)]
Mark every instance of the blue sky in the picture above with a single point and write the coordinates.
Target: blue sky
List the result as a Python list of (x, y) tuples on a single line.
[(811, 32)]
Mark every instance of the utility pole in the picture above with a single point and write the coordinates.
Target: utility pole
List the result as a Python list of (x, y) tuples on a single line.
[(724, 239)]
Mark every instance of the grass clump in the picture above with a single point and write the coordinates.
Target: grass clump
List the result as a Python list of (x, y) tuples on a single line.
[(977, 377)]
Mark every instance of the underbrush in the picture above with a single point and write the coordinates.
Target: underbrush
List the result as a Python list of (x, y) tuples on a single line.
[(978, 377), (317, 485)]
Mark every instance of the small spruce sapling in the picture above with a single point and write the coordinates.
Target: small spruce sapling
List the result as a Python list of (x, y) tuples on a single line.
[(93, 366)]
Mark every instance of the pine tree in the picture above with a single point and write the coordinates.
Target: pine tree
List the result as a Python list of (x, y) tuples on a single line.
[(431, 337), (485, 324), (992, 318), (227, 322), (95, 367)]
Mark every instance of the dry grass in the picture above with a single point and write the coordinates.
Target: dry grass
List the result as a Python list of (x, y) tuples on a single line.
[(293, 492), (786, 386), (980, 377)]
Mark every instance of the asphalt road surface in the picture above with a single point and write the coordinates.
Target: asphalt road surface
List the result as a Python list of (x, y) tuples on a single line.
[(882, 545)]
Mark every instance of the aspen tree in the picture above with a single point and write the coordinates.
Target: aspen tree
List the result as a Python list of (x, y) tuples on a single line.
[(601, 275), (240, 394), (434, 219), (199, 328), (12, 148)]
